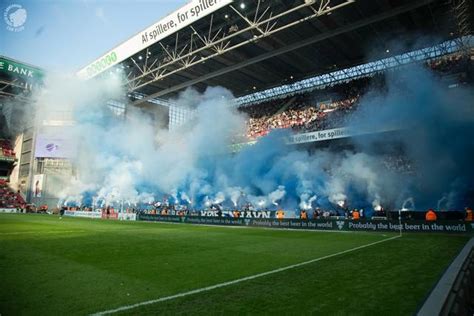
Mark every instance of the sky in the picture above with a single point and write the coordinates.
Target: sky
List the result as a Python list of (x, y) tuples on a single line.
[(66, 35)]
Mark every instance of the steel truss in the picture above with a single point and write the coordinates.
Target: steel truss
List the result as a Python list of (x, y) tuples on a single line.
[(462, 11), (459, 45), (195, 49), (363, 70), (15, 84)]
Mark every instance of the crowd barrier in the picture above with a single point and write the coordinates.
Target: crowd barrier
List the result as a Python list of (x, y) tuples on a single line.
[(322, 224)]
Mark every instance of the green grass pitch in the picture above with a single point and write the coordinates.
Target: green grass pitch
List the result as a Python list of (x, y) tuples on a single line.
[(52, 266)]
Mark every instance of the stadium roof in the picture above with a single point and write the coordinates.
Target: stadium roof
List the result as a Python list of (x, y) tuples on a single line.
[(17, 78), (248, 46)]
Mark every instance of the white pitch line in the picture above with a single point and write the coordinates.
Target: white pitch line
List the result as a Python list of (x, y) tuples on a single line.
[(216, 286)]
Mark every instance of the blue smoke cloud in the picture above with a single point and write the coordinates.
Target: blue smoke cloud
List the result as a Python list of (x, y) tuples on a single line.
[(120, 161)]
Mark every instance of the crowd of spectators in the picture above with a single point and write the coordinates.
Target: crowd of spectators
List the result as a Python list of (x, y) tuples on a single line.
[(10, 199), (306, 112), (331, 107), (6, 149), (449, 63)]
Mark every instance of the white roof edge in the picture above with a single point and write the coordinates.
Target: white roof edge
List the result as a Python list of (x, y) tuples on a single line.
[(168, 25)]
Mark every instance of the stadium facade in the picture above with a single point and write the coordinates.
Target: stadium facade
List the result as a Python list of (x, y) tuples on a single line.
[(18, 81)]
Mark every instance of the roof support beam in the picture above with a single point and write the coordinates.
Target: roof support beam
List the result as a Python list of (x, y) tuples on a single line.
[(286, 49)]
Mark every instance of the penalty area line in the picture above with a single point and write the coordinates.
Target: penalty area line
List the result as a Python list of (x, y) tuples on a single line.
[(251, 277)]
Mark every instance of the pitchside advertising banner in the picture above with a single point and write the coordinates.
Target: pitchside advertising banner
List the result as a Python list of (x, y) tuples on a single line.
[(248, 214), (109, 216), (335, 225), (9, 210), (100, 214), (83, 214), (127, 216), (120, 216), (188, 14)]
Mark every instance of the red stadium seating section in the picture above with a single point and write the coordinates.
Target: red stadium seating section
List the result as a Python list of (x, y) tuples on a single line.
[(8, 198), (6, 149)]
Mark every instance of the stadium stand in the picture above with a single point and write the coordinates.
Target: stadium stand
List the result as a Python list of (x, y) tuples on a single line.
[(6, 148), (303, 112), (10, 199), (331, 107), (7, 159)]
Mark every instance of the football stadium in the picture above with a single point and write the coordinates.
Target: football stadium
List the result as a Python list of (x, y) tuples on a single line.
[(245, 157)]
